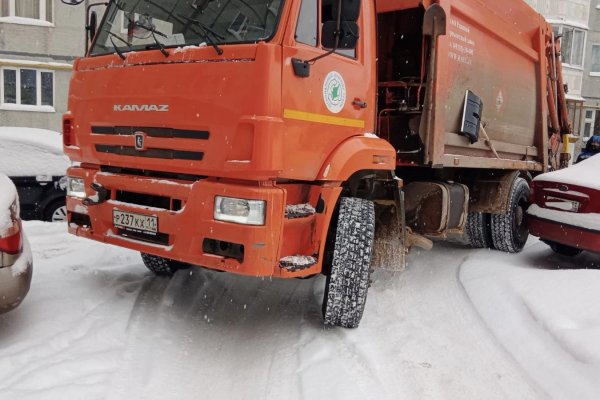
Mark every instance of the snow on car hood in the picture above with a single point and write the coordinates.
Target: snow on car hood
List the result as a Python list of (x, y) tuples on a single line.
[(31, 152), (8, 195), (586, 174)]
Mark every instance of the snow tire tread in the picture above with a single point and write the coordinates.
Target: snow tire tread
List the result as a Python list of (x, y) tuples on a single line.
[(348, 282), (478, 230), (161, 266), (505, 235)]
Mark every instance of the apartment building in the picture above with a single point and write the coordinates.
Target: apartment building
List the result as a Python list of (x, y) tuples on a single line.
[(39, 40), (591, 75)]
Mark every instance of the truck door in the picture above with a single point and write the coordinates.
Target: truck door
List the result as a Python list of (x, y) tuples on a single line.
[(337, 99)]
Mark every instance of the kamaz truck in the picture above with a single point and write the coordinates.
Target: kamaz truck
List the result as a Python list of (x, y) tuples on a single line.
[(292, 138)]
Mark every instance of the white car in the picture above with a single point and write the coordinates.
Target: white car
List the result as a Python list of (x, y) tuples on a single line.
[(16, 262)]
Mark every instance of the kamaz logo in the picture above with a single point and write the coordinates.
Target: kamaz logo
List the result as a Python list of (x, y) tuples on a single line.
[(141, 107)]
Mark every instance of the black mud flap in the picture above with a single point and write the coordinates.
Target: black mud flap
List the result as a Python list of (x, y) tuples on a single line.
[(471, 120)]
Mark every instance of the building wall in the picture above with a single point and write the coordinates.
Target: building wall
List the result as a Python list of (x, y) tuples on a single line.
[(591, 81), (591, 89), (572, 12), (52, 48)]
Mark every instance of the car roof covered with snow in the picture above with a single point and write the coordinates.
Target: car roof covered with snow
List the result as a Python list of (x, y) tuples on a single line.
[(31, 152), (585, 174)]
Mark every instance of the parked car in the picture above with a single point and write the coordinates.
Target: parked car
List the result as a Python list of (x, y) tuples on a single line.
[(565, 212), (15, 254), (34, 161), (591, 148)]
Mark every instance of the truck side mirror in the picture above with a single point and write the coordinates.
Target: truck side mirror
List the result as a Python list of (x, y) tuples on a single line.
[(92, 25), (347, 36)]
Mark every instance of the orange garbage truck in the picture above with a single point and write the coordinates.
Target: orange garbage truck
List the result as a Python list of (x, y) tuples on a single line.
[(292, 138)]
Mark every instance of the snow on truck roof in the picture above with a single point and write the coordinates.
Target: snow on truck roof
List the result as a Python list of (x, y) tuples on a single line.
[(31, 152), (585, 173)]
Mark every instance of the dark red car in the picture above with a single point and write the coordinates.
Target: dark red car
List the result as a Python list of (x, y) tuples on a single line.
[(565, 210)]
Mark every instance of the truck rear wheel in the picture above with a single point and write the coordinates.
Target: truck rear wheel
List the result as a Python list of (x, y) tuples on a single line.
[(479, 230), (509, 231), (348, 280), (162, 266)]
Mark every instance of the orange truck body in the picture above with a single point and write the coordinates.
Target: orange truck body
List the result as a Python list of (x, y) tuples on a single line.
[(242, 124)]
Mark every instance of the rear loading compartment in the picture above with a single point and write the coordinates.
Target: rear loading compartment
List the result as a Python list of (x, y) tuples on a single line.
[(433, 56)]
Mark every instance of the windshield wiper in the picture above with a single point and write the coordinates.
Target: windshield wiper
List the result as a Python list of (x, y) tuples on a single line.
[(117, 50), (206, 33), (154, 32)]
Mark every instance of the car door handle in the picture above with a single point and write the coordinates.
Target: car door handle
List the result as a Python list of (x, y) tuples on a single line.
[(359, 103)]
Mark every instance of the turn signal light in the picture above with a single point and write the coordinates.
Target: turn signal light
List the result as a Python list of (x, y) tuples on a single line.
[(67, 130)]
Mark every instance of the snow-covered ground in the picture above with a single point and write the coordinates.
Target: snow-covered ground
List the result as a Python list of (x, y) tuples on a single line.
[(458, 324)]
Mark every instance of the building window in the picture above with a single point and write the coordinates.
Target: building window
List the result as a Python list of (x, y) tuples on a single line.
[(26, 89), (34, 10), (595, 67), (590, 122), (572, 44)]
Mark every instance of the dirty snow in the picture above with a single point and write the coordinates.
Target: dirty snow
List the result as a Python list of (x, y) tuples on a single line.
[(304, 209), (583, 174), (298, 261), (31, 152), (457, 324), (587, 220)]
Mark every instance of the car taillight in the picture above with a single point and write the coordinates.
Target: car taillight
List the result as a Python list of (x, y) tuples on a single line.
[(11, 239), (67, 130)]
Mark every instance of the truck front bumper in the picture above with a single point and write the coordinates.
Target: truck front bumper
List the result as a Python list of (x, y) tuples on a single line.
[(187, 231)]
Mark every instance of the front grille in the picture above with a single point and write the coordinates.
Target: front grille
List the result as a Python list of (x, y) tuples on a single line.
[(151, 131), (142, 199), (151, 174), (166, 154), (157, 238)]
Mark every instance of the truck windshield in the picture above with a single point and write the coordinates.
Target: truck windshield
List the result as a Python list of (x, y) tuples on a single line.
[(139, 24)]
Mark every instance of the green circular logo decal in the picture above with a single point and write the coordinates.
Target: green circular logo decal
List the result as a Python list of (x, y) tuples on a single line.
[(334, 92)]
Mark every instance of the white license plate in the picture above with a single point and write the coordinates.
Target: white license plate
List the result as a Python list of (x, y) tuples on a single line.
[(135, 222), (562, 204)]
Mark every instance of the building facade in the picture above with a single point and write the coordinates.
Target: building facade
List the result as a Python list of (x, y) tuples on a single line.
[(591, 76), (578, 23), (39, 40)]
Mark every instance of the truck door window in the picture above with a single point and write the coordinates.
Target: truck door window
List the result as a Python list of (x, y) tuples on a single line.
[(327, 15), (129, 24), (306, 30)]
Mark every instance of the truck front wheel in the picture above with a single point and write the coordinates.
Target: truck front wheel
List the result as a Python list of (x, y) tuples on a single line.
[(162, 266), (509, 231), (348, 280)]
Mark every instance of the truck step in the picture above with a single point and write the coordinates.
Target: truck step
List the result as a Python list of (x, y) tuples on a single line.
[(293, 211), (297, 263)]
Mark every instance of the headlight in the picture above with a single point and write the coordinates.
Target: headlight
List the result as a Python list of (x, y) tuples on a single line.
[(76, 187), (241, 211)]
